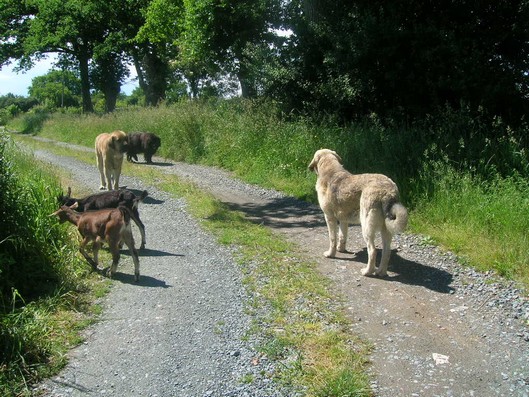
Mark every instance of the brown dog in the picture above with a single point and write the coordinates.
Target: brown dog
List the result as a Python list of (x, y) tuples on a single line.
[(345, 198), (109, 153)]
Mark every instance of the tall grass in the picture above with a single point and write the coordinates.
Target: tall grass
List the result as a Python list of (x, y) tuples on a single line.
[(467, 168), (485, 221), (38, 269)]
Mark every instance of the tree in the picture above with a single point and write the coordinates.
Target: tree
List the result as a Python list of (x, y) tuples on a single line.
[(70, 27), (108, 69), (87, 31), (226, 34), (409, 57), (210, 39), (58, 88)]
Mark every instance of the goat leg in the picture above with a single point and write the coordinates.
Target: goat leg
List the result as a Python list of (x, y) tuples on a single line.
[(90, 261), (128, 238)]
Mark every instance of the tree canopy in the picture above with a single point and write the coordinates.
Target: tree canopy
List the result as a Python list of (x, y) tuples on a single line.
[(349, 58)]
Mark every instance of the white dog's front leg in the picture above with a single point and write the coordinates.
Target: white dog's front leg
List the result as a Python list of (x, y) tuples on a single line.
[(103, 184), (332, 226)]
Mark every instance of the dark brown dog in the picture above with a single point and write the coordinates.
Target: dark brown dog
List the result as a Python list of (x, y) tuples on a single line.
[(142, 142)]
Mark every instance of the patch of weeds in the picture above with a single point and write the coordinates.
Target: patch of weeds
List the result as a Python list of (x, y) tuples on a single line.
[(247, 378)]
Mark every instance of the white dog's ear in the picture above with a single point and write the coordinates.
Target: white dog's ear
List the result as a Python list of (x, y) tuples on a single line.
[(313, 166), (338, 157)]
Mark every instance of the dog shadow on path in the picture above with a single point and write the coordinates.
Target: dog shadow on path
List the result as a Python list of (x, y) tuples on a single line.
[(282, 213), (413, 273)]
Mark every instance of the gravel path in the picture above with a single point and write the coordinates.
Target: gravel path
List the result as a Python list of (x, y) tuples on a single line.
[(181, 330), (437, 328)]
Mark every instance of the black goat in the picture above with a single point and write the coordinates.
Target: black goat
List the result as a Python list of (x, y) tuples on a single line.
[(109, 199)]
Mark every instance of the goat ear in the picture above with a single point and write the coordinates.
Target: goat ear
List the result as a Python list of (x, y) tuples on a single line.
[(69, 194)]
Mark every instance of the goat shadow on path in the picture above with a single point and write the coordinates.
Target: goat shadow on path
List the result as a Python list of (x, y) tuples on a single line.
[(413, 273), (145, 281), (152, 252), (73, 385), (147, 200)]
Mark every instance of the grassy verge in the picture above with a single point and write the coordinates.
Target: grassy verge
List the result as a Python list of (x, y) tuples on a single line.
[(46, 293), (485, 222), (304, 327)]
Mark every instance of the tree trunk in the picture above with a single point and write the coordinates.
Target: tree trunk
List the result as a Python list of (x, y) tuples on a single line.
[(111, 97), (246, 80), (156, 74), (85, 82)]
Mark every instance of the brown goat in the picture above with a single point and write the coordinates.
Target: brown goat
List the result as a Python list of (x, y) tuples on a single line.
[(110, 225)]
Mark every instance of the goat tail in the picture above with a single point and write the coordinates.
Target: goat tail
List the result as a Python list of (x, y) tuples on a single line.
[(396, 217), (126, 214)]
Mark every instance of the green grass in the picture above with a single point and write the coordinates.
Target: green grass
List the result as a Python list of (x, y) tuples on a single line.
[(44, 285), (484, 222)]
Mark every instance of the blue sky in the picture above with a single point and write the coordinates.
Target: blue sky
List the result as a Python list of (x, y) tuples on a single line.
[(18, 83)]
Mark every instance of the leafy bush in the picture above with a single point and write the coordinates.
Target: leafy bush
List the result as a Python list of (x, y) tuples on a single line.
[(32, 121), (38, 264)]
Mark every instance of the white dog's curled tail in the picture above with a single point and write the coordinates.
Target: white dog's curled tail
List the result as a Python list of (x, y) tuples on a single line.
[(396, 218)]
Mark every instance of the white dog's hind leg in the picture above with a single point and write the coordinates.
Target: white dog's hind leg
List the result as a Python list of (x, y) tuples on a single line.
[(382, 270), (332, 226), (342, 236), (369, 237), (101, 172)]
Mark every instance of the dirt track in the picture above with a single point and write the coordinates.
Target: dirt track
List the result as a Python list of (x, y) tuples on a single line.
[(437, 328)]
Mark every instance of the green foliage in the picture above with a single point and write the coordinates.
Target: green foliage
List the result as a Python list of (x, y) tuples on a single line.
[(32, 121), (402, 61), (38, 266), (57, 89), (484, 221), (405, 59)]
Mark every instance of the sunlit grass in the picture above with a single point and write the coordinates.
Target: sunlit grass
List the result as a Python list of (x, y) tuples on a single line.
[(484, 222)]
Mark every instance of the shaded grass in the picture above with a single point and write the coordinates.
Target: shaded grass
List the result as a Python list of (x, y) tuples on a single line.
[(299, 320)]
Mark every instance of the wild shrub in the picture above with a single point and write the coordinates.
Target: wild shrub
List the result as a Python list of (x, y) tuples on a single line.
[(38, 266)]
